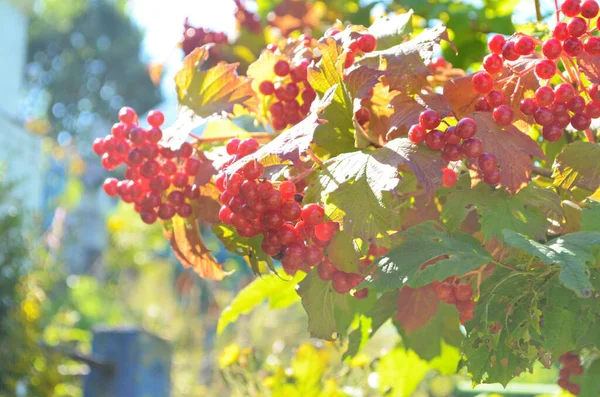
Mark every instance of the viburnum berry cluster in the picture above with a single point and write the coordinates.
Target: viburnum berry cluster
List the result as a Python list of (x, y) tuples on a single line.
[(571, 366), (553, 106), (294, 234), (196, 37), (455, 143), (453, 292), (158, 181)]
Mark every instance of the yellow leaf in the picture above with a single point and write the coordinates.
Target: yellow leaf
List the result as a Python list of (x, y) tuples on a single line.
[(230, 355)]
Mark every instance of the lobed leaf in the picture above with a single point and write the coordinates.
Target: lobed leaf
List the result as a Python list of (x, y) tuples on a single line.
[(392, 29), (578, 165)]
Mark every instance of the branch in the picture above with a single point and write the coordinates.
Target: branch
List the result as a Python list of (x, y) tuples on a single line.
[(538, 11)]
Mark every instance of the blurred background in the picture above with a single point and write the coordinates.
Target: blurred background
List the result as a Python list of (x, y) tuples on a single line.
[(73, 260)]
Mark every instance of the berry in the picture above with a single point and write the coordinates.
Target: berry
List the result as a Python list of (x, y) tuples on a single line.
[(592, 46), (287, 234), (266, 87), (493, 63), (281, 68), (503, 115), (577, 104), (577, 27), (451, 152), (482, 82), (362, 116), (472, 148), (325, 231), (98, 146), (564, 92), (253, 170), (290, 92), (573, 47), (367, 43), (277, 109), (493, 177), (551, 48), (496, 43), (524, 45), (156, 118), (308, 95), (232, 146), (561, 32), (487, 162), (508, 51), (110, 187), (429, 119), (545, 69), (435, 140), (287, 189), (449, 177), (313, 214), (580, 122), (313, 255), (361, 293), (326, 271), (166, 211), (349, 59), (495, 98), (570, 8), (185, 210), (148, 217), (127, 115), (552, 132), (592, 110), (247, 146), (417, 134), (291, 211), (466, 128), (452, 137), (543, 116), (544, 96), (340, 282), (574, 388), (589, 9), (527, 106), (482, 105)]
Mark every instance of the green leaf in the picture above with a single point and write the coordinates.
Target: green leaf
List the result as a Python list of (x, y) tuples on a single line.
[(326, 309), (392, 29), (246, 247), (210, 91), (571, 252), (280, 293), (559, 330), (344, 253), (401, 380), (525, 212), (337, 135), (308, 366), (455, 254), (590, 218), (578, 164), (590, 387)]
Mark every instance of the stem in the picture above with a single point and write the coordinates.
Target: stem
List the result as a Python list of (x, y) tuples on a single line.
[(538, 11), (314, 157), (542, 172), (590, 136), (557, 11)]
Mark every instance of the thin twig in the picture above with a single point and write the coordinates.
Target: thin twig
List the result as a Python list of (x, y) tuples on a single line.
[(538, 11), (590, 136), (313, 156), (542, 172)]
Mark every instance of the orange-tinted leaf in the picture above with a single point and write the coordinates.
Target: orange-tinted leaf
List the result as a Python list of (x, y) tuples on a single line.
[(291, 15), (360, 80), (206, 207), (210, 91), (590, 66), (513, 149), (416, 306), (189, 248)]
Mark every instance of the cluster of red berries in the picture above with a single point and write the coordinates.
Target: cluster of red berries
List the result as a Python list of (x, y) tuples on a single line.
[(452, 292), (197, 37), (294, 234), (246, 19), (456, 142), (553, 109), (286, 109), (571, 365), (158, 181)]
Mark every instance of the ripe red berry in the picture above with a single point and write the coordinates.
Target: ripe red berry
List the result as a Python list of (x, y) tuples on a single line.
[(156, 118), (266, 87), (361, 293), (435, 140), (552, 132), (482, 82), (564, 92), (580, 122), (150, 169), (496, 43), (493, 63), (429, 119), (527, 106), (417, 134), (166, 211), (561, 32), (287, 189), (325, 231), (472, 148), (367, 43), (544, 96), (482, 105), (253, 170), (487, 162), (574, 388), (313, 214), (340, 282), (281, 68), (466, 128), (545, 69), (98, 146), (503, 115), (452, 137), (592, 110), (127, 115), (247, 146), (290, 211), (349, 60), (495, 98), (589, 9), (110, 187), (451, 152), (570, 8), (449, 177), (543, 116), (551, 48), (577, 27), (508, 51), (362, 116), (524, 45), (592, 46), (573, 47), (326, 270), (493, 177), (290, 91)]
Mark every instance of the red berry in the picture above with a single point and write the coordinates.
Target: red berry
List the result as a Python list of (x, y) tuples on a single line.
[(552, 48), (429, 119), (253, 170), (472, 148), (482, 82), (495, 98), (496, 43), (573, 47), (580, 122), (570, 8), (482, 105), (435, 140), (367, 43), (156, 118), (273, 201), (592, 46), (326, 273), (291, 211), (451, 152), (528, 106), (277, 109), (313, 255), (544, 96), (561, 32), (340, 282), (150, 169), (287, 189), (287, 234), (493, 177), (545, 69), (308, 95), (110, 187), (417, 134), (543, 116), (184, 210), (589, 9), (362, 116), (577, 27), (166, 211), (452, 137), (361, 293), (98, 146), (449, 177), (466, 128), (290, 92), (281, 68), (313, 214), (266, 87), (349, 59), (127, 115), (247, 146), (503, 115), (574, 388), (493, 63), (524, 45), (325, 231), (279, 124), (148, 216), (487, 162), (592, 110), (508, 51), (577, 104)]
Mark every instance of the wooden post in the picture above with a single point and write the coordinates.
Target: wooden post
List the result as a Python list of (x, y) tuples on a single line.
[(137, 364)]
